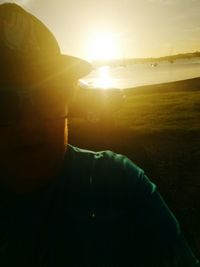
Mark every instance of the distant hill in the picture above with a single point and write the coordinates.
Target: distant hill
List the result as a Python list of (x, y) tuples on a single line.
[(127, 61)]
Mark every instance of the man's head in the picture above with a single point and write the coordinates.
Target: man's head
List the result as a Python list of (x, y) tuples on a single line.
[(36, 84)]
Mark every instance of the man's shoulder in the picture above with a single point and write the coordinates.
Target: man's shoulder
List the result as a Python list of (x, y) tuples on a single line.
[(107, 169), (105, 159)]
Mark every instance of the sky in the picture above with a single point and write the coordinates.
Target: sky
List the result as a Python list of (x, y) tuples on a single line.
[(94, 29)]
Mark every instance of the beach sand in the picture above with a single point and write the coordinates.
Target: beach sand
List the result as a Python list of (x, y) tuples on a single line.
[(158, 127)]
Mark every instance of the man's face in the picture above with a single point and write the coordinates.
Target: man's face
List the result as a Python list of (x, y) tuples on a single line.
[(33, 134)]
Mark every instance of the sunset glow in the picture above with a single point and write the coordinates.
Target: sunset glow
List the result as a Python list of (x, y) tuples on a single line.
[(95, 30), (103, 46)]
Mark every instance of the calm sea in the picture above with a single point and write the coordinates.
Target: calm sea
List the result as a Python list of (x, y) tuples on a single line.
[(133, 75)]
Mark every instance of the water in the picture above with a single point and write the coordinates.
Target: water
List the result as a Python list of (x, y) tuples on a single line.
[(134, 75)]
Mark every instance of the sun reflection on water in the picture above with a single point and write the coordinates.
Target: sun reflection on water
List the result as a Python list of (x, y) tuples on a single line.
[(104, 80)]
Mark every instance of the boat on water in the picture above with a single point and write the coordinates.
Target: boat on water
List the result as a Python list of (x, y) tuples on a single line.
[(155, 64)]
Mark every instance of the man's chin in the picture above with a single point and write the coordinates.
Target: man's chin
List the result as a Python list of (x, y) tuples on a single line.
[(31, 167)]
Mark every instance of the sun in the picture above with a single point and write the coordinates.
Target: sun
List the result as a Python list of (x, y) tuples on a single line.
[(103, 46)]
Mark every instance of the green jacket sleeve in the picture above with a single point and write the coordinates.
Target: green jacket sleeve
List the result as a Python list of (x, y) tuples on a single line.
[(159, 237)]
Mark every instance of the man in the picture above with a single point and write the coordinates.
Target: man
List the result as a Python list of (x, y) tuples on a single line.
[(60, 205)]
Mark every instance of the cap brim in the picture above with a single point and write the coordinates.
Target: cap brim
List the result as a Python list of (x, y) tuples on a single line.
[(75, 67), (30, 70)]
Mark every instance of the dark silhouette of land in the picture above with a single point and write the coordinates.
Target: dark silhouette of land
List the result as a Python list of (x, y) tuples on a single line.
[(128, 61), (158, 127)]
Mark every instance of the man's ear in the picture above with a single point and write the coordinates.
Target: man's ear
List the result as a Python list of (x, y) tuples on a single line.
[(66, 132)]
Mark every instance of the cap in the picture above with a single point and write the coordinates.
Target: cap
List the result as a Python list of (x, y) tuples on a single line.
[(29, 52)]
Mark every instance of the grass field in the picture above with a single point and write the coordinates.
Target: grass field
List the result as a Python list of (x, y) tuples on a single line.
[(158, 112), (158, 127)]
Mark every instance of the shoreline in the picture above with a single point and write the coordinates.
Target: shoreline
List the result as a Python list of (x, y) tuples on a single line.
[(192, 84)]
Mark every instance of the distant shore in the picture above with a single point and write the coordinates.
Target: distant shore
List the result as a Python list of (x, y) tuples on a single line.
[(123, 61), (183, 85)]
